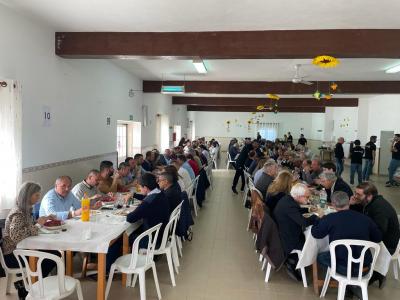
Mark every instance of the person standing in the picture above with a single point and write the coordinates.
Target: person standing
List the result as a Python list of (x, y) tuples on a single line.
[(369, 157), (290, 138), (240, 164), (356, 153), (339, 156), (302, 140), (395, 161)]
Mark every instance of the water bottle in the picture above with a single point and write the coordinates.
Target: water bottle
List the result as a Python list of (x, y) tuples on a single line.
[(323, 197)]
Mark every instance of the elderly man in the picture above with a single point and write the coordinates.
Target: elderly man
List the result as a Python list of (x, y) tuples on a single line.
[(339, 156), (311, 172), (181, 159), (291, 223), (88, 186), (332, 184), (382, 213), (60, 201), (345, 224), (270, 170)]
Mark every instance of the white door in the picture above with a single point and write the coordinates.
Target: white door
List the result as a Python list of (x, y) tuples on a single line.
[(384, 151)]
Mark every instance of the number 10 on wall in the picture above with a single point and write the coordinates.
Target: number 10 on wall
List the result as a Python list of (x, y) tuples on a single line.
[(46, 116)]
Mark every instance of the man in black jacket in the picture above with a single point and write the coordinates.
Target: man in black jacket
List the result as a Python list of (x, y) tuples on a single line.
[(339, 156), (153, 210), (356, 153), (291, 223), (332, 184), (170, 186), (383, 214)]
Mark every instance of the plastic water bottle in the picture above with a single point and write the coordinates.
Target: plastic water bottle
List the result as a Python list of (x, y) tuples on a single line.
[(323, 197)]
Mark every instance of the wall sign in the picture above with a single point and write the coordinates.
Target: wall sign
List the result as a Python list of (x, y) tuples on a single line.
[(108, 121), (46, 116)]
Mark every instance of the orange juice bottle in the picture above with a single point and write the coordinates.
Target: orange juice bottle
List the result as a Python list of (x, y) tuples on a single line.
[(85, 204)]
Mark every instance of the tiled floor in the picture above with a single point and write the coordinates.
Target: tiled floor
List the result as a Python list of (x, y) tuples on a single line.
[(220, 262)]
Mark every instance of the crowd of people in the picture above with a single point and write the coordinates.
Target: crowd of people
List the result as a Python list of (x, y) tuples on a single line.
[(160, 181), (287, 175)]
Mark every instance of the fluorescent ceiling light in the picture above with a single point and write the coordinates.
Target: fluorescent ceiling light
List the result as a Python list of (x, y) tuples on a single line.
[(199, 65), (393, 70), (172, 89)]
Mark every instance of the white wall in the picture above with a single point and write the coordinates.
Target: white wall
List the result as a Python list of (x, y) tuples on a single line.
[(214, 123), (80, 93)]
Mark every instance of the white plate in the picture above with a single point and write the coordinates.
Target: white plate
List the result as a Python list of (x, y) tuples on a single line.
[(54, 227)]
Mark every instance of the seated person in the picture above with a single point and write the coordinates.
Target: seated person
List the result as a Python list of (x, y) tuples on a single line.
[(270, 169), (193, 164), (88, 186), (382, 214), (316, 170), (254, 163), (133, 173), (168, 182), (107, 183), (60, 200), (234, 151), (123, 172), (291, 223), (147, 164), (181, 159), (250, 158), (19, 225), (332, 184), (279, 188), (305, 174), (184, 177), (258, 171), (329, 167), (345, 224), (153, 210)]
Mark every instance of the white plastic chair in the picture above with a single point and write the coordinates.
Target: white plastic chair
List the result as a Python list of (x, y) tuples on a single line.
[(361, 280), (229, 160), (247, 178), (138, 263), (209, 175), (168, 247), (177, 211), (396, 261), (10, 273), (191, 191), (55, 287)]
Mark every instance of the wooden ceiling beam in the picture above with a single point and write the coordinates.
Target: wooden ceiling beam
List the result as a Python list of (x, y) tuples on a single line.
[(254, 102), (276, 87), (252, 109), (271, 44)]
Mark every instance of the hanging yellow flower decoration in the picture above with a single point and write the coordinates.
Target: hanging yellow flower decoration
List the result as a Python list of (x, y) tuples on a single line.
[(249, 122), (228, 122), (325, 61), (334, 86), (273, 96), (253, 113), (328, 97), (317, 95), (260, 107)]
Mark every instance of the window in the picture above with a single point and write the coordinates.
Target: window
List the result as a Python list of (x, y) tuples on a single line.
[(268, 131), (121, 141)]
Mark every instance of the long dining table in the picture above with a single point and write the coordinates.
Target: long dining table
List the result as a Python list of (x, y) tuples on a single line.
[(94, 236)]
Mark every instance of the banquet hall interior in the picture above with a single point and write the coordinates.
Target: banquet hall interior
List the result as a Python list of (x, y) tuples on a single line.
[(89, 89)]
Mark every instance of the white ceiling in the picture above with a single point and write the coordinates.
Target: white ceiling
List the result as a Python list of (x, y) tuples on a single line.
[(210, 15), (260, 69)]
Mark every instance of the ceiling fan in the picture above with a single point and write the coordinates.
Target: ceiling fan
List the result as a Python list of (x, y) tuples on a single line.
[(300, 79)]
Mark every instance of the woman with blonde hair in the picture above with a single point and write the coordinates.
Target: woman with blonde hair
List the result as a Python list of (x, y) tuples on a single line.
[(279, 187)]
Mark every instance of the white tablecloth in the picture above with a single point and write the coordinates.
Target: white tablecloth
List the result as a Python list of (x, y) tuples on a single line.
[(313, 246), (103, 230)]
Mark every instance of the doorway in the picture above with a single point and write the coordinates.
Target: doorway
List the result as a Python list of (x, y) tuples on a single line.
[(129, 139), (177, 134)]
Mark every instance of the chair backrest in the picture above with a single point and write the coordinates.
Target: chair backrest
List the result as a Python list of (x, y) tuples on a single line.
[(365, 245), (169, 231), (176, 211), (396, 253), (229, 156), (257, 210), (27, 273), (196, 182), (3, 263), (152, 235), (251, 184)]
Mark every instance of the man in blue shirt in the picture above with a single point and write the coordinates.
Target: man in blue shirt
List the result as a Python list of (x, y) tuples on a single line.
[(181, 159), (58, 201)]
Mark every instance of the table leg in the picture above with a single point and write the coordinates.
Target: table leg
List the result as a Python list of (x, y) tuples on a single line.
[(101, 276), (315, 277), (125, 250), (69, 263), (33, 267)]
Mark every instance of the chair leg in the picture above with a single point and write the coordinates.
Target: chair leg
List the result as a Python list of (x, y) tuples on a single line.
[(260, 258), (8, 283), (156, 281), (84, 264), (364, 291), (268, 273), (341, 291), (142, 285), (79, 290), (326, 283), (109, 281), (303, 276), (134, 279), (175, 257), (170, 267), (195, 205), (263, 264), (179, 244), (396, 264)]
